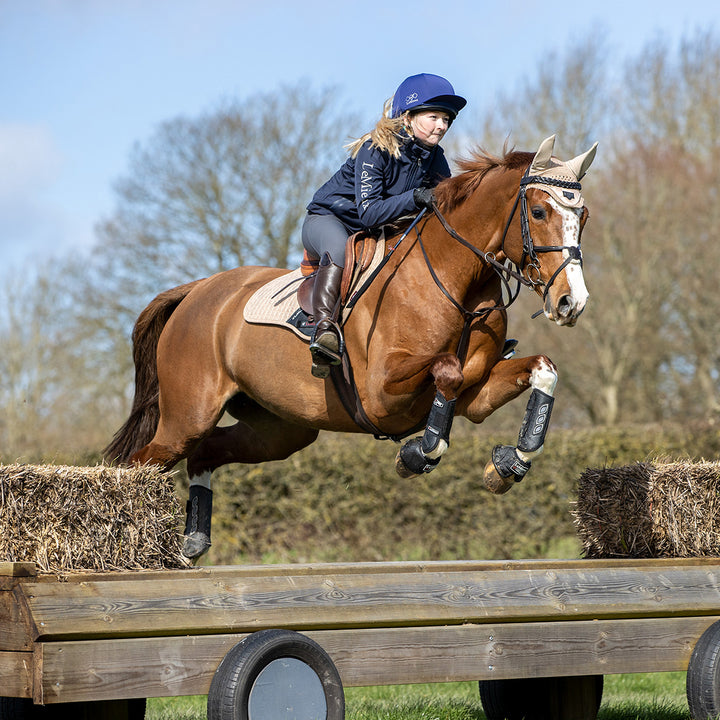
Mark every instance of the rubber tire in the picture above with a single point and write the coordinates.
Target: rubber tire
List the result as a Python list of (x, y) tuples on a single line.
[(233, 680), (702, 685), (24, 709), (540, 698)]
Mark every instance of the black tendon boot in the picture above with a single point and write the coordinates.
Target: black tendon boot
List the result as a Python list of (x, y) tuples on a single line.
[(197, 524), (327, 343)]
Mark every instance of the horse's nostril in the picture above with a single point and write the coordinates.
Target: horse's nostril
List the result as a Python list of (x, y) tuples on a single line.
[(565, 306)]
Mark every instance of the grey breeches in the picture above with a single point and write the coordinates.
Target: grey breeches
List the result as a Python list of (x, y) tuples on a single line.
[(325, 234)]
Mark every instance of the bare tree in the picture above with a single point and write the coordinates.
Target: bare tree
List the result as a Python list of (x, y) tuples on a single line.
[(673, 111), (643, 350), (202, 195), (227, 188), (22, 364), (617, 361), (52, 377), (567, 95)]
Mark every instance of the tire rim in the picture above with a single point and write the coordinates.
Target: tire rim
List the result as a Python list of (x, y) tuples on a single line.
[(287, 688)]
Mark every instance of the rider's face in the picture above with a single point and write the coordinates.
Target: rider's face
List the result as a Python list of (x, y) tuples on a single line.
[(429, 126)]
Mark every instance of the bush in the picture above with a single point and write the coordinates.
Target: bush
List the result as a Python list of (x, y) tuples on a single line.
[(341, 500)]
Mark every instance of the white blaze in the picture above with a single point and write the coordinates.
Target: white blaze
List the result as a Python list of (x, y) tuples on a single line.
[(571, 238)]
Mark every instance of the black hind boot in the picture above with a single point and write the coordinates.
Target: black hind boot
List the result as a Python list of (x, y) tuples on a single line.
[(198, 521), (326, 347)]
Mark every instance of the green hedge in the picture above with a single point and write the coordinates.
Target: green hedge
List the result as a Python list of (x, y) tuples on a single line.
[(341, 500)]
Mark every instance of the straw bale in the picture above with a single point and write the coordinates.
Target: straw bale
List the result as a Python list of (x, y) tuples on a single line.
[(99, 518), (649, 510)]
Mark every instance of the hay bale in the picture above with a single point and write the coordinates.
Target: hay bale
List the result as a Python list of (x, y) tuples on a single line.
[(89, 518), (650, 510)]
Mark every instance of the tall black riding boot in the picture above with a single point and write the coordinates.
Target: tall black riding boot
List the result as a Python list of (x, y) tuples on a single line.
[(327, 343)]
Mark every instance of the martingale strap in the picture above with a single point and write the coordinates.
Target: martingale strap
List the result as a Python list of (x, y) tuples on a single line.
[(468, 315), (342, 375), (344, 382)]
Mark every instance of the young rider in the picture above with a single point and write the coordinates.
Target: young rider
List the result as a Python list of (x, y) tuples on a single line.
[(390, 173)]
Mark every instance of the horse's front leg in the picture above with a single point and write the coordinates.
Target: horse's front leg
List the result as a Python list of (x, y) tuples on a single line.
[(507, 380), (422, 454)]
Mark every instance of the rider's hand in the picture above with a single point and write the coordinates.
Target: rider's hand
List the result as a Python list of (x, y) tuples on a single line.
[(424, 197)]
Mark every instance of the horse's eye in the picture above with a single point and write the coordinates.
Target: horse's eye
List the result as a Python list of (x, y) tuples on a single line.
[(538, 212)]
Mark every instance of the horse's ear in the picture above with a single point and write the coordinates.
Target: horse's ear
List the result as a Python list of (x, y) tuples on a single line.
[(580, 164), (541, 161)]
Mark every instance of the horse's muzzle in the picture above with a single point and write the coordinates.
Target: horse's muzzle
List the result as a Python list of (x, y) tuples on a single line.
[(565, 311)]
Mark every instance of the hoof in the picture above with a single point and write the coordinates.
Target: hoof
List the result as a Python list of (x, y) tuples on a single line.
[(195, 545), (504, 470), (494, 482), (402, 469), (412, 461)]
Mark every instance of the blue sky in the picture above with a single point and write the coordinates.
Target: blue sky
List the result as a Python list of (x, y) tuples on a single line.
[(82, 80)]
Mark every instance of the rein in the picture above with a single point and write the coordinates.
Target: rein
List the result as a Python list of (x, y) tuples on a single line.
[(521, 273), (530, 250), (468, 315), (356, 295)]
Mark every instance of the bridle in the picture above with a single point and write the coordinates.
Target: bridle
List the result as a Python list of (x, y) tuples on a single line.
[(529, 262), (530, 250), (521, 272)]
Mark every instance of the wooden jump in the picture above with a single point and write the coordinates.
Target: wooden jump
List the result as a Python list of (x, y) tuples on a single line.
[(93, 637)]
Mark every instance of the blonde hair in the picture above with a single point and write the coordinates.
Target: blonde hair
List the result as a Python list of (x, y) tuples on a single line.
[(386, 135)]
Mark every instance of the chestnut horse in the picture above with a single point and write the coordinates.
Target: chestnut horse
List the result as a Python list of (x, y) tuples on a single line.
[(425, 339)]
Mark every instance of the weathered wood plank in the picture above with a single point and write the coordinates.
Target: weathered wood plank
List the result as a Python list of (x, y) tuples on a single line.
[(16, 629), (365, 568), (16, 671), (163, 667), (18, 569), (230, 604), (12, 573)]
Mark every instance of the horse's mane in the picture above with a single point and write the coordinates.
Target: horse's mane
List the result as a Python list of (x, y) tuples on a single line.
[(453, 191)]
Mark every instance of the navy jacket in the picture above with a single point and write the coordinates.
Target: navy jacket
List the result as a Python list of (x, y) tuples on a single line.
[(374, 188)]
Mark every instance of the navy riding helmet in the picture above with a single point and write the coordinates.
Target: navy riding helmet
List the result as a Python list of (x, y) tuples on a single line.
[(426, 92)]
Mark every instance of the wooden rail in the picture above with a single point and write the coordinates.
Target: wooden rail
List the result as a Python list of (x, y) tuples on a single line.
[(123, 635)]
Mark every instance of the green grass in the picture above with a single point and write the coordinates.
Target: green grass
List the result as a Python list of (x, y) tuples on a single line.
[(643, 696)]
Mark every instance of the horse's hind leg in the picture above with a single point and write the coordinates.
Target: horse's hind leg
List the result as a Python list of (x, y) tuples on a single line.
[(187, 413), (175, 438), (258, 436)]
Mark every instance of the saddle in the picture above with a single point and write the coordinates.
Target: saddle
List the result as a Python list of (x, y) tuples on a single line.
[(359, 252)]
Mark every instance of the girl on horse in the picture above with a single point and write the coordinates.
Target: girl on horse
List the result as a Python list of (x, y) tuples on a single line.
[(390, 173)]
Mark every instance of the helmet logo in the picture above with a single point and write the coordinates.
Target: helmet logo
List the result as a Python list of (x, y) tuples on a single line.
[(411, 98)]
